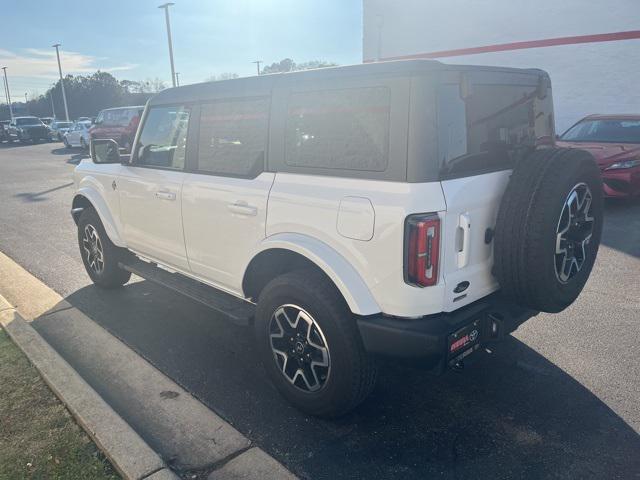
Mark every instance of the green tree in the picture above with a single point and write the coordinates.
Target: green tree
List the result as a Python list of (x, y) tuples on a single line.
[(288, 65)]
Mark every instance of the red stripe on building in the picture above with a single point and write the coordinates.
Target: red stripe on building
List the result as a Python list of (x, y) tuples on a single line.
[(503, 47)]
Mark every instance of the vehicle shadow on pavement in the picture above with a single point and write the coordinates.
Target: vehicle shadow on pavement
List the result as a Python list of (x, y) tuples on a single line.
[(512, 414), (40, 196), (75, 155), (621, 222)]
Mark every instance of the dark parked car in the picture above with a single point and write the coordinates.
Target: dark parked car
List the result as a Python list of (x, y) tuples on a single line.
[(119, 124), (28, 129), (614, 140), (4, 131)]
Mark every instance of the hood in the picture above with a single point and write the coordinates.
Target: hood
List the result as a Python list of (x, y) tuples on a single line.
[(606, 153)]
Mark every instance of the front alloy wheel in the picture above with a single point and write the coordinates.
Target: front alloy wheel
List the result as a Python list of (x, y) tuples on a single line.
[(92, 245), (299, 348)]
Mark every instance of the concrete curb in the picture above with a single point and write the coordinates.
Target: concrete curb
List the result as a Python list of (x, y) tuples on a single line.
[(183, 419), (126, 450)]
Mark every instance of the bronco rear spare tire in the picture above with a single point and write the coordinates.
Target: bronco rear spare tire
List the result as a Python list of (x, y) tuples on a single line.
[(548, 228)]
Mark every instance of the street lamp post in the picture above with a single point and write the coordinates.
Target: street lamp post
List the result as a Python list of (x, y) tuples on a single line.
[(53, 109), (64, 95), (7, 93), (166, 17), (177, 79), (257, 62)]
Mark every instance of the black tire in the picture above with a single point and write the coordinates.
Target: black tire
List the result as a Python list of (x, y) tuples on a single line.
[(110, 275), (527, 265), (352, 372)]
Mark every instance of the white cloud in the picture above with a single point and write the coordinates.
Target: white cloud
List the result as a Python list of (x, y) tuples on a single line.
[(42, 64)]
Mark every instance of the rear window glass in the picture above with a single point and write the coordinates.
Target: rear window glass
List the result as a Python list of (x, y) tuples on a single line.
[(233, 137), (491, 126), (339, 129)]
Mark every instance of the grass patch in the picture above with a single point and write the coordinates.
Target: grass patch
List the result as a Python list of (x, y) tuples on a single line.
[(39, 438)]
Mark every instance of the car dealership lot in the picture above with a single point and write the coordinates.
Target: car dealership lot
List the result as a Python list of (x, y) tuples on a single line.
[(557, 400)]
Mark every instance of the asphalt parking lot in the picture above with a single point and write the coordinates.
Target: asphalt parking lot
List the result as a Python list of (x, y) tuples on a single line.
[(559, 399)]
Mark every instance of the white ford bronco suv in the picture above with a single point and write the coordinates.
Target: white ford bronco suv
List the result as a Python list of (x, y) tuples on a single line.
[(409, 209)]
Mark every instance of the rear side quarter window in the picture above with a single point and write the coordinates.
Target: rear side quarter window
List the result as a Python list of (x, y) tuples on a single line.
[(339, 129)]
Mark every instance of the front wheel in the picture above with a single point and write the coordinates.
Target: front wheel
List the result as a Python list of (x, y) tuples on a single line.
[(310, 346), (99, 255)]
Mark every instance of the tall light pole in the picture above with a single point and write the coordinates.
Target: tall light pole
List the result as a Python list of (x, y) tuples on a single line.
[(178, 79), (6, 92), (25, 97), (64, 95), (257, 62), (166, 17), (53, 109)]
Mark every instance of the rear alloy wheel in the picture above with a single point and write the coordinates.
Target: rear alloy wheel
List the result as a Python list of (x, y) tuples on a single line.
[(299, 348), (310, 346)]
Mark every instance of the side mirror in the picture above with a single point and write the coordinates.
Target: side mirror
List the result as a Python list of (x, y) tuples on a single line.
[(105, 151)]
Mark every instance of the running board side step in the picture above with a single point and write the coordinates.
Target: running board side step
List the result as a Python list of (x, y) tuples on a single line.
[(239, 311)]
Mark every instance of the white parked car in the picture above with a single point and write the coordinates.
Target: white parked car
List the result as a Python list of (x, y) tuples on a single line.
[(408, 209), (78, 135)]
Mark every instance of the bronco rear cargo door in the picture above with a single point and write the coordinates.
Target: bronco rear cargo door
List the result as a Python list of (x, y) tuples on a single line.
[(486, 122)]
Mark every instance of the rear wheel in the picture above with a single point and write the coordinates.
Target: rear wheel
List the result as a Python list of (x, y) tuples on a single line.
[(99, 255), (310, 346), (548, 228)]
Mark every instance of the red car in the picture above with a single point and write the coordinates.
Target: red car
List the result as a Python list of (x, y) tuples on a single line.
[(119, 124), (614, 140)]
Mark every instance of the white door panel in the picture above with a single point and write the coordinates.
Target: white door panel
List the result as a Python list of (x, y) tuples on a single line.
[(472, 207), (224, 221), (151, 210)]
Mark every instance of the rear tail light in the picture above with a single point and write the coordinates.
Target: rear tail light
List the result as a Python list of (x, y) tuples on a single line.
[(422, 249)]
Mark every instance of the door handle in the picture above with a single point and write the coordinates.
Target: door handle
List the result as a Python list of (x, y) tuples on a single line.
[(243, 208), (464, 229), (165, 195)]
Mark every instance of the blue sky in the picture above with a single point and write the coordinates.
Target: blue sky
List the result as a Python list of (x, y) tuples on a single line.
[(128, 38)]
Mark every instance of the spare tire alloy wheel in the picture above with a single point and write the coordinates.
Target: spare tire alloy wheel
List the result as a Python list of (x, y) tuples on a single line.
[(575, 229), (92, 246), (299, 348)]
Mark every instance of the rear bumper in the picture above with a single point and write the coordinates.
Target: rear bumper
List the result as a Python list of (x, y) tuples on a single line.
[(428, 341)]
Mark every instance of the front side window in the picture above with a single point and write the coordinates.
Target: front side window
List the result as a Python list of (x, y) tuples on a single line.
[(233, 137), (339, 129), (163, 139), (491, 126)]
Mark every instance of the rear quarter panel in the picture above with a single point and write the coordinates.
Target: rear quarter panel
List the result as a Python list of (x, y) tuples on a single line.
[(310, 205)]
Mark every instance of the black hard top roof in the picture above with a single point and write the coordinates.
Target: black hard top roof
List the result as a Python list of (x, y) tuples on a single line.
[(262, 84)]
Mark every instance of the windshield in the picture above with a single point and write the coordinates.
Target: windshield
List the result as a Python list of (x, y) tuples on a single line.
[(28, 121), (604, 131)]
